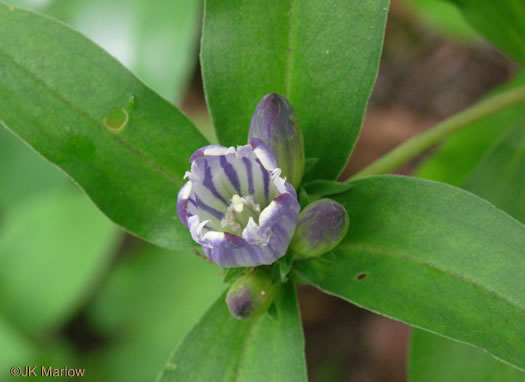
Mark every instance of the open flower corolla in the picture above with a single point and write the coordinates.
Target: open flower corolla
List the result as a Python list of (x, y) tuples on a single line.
[(237, 206)]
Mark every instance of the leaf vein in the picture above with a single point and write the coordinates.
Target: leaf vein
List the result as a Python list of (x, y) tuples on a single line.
[(288, 75), (434, 267), (134, 150), (242, 357)]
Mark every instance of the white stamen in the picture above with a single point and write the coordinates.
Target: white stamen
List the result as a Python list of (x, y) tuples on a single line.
[(240, 211), (237, 203)]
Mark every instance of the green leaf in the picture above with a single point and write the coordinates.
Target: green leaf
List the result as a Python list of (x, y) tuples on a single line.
[(433, 256), (462, 152), (284, 265), (221, 348), (323, 56), (502, 22), (231, 274), (437, 359), (149, 301), (499, 179), (322, 187), (52, 249), (124, 145), (309, 163)]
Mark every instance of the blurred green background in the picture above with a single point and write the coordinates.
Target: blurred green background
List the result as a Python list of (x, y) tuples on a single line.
[(77, 291)]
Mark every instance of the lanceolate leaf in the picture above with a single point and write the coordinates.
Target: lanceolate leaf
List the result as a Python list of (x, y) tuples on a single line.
[(502, 22), (124, 145), (437, 359), (221, 348), (322, 55), (499, 179), (433, 256)]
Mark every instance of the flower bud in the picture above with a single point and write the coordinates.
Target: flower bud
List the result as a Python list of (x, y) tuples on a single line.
[(251, 295), (321, 227), (275, 123)]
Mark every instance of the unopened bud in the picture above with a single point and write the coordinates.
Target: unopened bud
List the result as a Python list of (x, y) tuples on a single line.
[(275, 123), (320, 228), (251, 295)]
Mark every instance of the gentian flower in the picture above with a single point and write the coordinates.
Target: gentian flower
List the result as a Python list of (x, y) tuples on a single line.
[(241, 206), (237, 206)]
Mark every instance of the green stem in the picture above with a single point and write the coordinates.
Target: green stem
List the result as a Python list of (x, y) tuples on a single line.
[(421, 142)]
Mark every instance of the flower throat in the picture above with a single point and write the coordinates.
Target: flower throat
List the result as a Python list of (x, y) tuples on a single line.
[(239, 212)]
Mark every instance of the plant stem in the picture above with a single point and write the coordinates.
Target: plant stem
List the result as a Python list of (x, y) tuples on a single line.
[(416, 145)]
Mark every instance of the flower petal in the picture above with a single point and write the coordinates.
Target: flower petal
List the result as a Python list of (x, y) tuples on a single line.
[(229, 250), (211, 150), (263, 154), (260, 244), (182, 202)]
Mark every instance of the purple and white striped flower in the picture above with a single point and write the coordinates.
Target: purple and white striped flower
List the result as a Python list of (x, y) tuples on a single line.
[(237, 206)]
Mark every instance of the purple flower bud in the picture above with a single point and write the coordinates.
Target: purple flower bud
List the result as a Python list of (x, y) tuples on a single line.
[(237, 206), (321, 227), (251, 295), (275, 123)]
